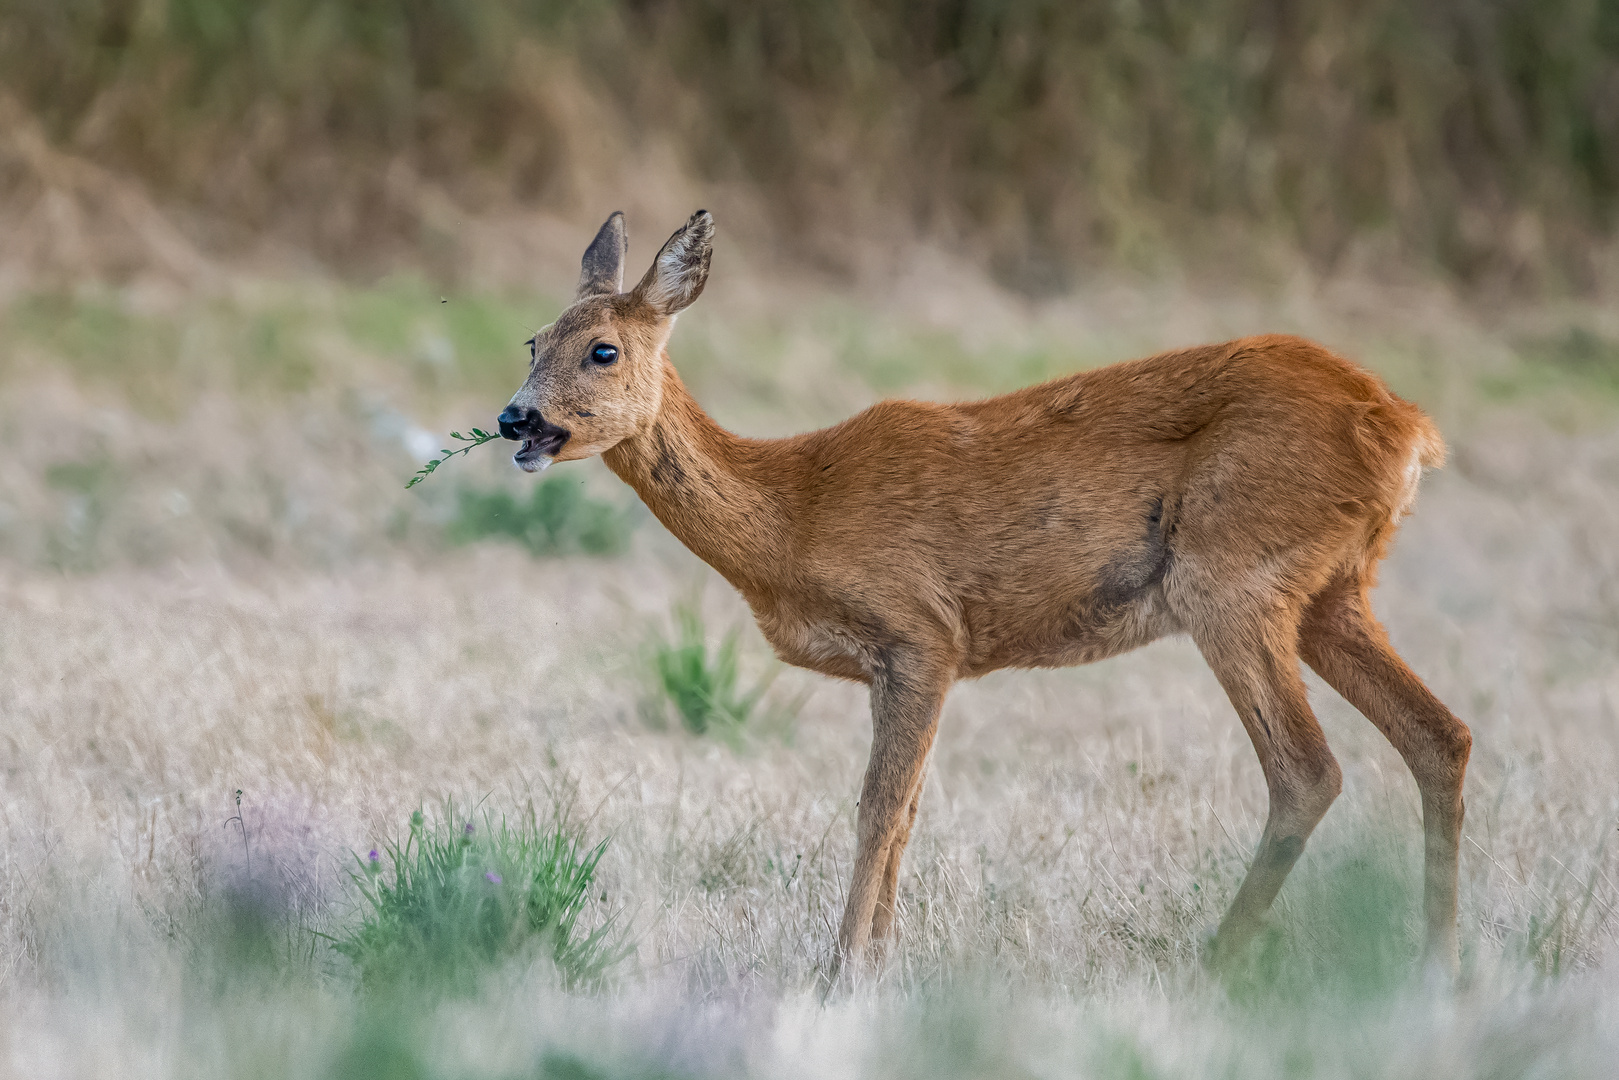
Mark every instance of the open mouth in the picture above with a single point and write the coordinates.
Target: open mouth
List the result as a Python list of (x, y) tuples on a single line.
[(530, 458), (541, 440)]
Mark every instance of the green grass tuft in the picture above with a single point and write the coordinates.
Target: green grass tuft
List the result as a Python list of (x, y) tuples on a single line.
[(459, 898), (701, 686), (558, 518)]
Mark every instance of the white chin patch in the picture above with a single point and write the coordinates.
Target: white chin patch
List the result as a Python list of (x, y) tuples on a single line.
[(538, 463)]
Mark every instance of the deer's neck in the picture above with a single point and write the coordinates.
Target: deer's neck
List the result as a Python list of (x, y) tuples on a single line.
[(725, 497)]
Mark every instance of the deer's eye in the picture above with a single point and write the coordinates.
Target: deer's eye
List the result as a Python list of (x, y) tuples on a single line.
[(604, 354)]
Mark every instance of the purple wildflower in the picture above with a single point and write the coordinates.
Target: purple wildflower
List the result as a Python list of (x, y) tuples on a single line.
[(373, 856), (469, 828), (492, 876)]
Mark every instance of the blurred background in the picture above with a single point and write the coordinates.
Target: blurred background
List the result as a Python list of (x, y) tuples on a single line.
[(258, 258), (1476, 140), (345, 217)]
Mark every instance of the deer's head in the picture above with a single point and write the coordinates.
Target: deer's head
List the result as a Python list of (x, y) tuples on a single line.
[(596, 374)]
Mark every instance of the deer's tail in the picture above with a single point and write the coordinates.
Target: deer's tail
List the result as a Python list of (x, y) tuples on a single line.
[(1397, 440), (1426, 451)]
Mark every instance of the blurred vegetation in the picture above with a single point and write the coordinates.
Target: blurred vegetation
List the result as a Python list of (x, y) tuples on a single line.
[(558, 518), (1480, 136), (457, 900), (1357, 944), (1577, 354), (700, 686)]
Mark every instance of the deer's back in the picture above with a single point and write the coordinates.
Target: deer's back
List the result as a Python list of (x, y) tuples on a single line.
[(1085, 516)]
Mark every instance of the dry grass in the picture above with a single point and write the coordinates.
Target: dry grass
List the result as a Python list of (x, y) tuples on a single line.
[(1079, 828)]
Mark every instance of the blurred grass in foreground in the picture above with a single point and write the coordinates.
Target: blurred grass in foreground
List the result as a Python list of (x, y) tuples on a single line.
[(1333, 990)]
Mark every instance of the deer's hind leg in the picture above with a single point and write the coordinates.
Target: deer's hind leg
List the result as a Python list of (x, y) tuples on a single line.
[(1342, 640), (1256, 663)]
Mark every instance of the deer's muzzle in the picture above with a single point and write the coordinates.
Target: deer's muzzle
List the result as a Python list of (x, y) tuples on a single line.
[(541, 439)]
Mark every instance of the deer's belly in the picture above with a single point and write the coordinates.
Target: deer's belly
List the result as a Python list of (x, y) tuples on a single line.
[(1056, 628), (1058, 634)]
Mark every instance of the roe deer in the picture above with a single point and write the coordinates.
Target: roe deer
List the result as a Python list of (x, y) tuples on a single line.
[(1241, 494)]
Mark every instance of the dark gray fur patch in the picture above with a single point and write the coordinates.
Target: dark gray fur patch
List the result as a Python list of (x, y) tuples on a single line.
[(888, 677), (667, 470), (1128, 573), (885, 656), (1048, 514)]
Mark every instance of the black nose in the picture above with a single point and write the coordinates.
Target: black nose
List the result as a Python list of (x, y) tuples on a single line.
[(518, 424), (528, 426)]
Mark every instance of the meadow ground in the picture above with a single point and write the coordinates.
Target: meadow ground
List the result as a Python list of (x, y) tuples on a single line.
[(212, 581)]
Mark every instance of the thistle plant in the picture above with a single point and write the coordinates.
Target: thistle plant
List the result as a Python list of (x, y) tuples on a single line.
[(477, 438)]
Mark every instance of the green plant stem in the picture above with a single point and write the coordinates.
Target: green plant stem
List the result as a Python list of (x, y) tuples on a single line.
[(477, 438)]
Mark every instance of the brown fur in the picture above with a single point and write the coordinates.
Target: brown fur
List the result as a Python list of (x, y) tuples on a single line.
[(1240, 493)]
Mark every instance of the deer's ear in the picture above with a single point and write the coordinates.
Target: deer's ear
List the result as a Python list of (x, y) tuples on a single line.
[(680, 271), (602, 268)]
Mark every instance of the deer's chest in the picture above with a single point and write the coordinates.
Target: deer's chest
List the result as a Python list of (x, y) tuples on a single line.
[(819, 644)]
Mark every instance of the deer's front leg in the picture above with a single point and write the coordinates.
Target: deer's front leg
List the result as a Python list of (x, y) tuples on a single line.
[(882, 919), (906, 693)]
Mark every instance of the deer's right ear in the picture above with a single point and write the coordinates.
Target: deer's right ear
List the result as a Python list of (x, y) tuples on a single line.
[(602, 269), (680, 271)]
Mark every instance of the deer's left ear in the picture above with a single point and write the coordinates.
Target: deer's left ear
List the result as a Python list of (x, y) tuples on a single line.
[(602, 269), (680, 271)]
